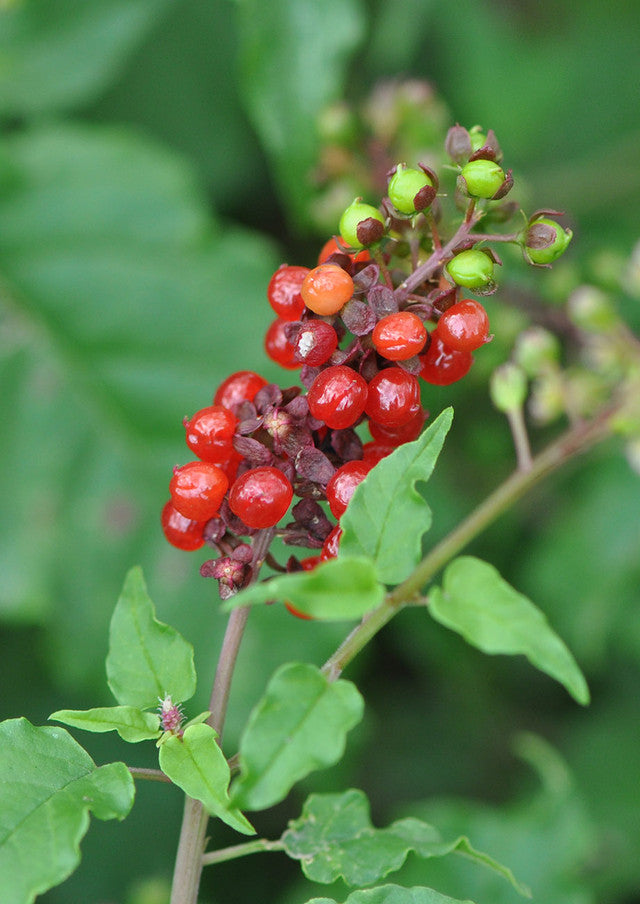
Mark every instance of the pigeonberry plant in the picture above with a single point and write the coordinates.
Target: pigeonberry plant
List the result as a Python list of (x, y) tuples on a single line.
[(328, 463)]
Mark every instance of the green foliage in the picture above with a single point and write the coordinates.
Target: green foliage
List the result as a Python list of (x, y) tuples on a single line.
[(147, 659), (292, 66), (131, 723), (387, 516), (334, 838), (345, 588), (394, 894), (196, 764), (298, 726), (49, 785), (477, 603), (55, 55)]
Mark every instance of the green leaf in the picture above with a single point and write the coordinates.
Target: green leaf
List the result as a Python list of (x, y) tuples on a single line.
[(334, 839), (387, 516), (55, 54), (343, 588), (477, 603), (298, 726), (48, 786), (147, 659), (125, 305), (294, 63), (196, 764), (131, 723), (394, 894)]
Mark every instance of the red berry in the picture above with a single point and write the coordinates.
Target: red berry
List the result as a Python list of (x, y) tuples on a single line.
[(315, 343), (374, 452), (210, 433), (330, 546), (331, 247), (337, 396), (307, 564), (237, 388), (464, 326), (442, 365), (260, 496), (394, 397), (197, 489), (278, 347), (342, 485), (181, 532), (283, 292), (399, 336), (396, 436), (326, 289)]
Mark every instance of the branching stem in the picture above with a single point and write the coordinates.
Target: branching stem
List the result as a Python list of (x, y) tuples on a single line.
[(575, 440), (189, 857)]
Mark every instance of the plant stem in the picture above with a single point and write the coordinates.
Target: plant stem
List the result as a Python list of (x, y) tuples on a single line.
[(574, 441), (241, 850), (150, 775), (188, 867)]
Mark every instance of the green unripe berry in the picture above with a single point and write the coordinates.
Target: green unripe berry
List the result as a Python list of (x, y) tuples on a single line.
[(471, 269), (591, 310), (537, 351), (406, 190), (481, 178), (361, 224), (545, 240), (477, 137), (508, 387)]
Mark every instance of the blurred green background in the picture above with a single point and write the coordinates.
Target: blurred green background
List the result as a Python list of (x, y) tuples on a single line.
[(158, 160)]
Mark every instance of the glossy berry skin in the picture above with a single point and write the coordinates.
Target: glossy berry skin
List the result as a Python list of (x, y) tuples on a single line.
[(361, 225), (278, 347), (307, 564), (330, 546), (326, 289), (472, 269), (239, 387), (260, 497), (442, 365), (181, 532), (405, 187), (283, 291), (197, 489), (464, 326), (331, 247), (342, 485), (482, 178), (374, 452), (209, 433), (394, 397), (397, 436), (315, 343), (400, 336), (545, 227), (337, 396)]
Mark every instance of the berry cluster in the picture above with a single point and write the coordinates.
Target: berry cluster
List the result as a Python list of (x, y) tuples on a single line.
[(381, 314)]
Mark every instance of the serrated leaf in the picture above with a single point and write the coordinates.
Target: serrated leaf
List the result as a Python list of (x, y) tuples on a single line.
[(298, 726), (147, 659), (57, 54), (386, 517), (293, 64), (476, 602), (196, 764), (131, 723), (48, 786), (344, 588), (334, 838), (394, 894)]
